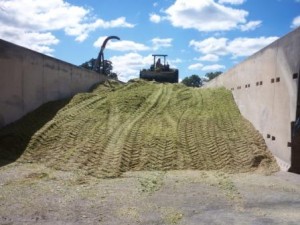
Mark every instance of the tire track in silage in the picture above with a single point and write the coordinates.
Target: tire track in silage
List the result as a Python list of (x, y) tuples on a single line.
[(251, 149), (222, 131), (134, 146), (163, 143), (188, 134), (147, 150), (182, 101), (114, 153), (56, 144), (63, 116)]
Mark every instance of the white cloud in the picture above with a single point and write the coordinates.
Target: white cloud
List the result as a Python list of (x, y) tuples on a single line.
[(236, 48), (161, 43), (43, 17), (154, 18), (122, 45), (119, 22), (37, 41), (296, 21), (81, 31), (209, 58), (129, 65), (214, 67), (205, 15), (211, 45), (196, 66), (248, 46), (155, 4), (252, 25), (40, 41), (233, 2), (173, 62)]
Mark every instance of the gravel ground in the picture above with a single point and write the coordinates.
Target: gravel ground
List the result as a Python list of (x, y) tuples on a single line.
[(35, 194)]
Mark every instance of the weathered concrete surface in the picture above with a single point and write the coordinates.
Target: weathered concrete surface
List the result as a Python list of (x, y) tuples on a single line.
[(265, 87), (29, 79)]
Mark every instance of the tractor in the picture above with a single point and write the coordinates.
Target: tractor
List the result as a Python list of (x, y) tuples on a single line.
[(160, 72)]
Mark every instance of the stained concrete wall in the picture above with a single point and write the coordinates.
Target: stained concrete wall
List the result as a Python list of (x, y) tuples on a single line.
[(29, 79), (265, 88)]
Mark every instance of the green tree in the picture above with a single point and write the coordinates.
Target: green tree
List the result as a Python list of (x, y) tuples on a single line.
[(113, 76), (89, 64), (192, 81), (212, 75), (108, 67)]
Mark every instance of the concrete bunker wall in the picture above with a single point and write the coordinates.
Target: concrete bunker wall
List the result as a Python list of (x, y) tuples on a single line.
[(28, 79), (265, 88)]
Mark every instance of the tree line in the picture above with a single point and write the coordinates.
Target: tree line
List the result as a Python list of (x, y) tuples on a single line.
[(196, 81)]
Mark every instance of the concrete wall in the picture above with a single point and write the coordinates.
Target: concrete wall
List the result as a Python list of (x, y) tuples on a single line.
[(29, 79), (265, 88)]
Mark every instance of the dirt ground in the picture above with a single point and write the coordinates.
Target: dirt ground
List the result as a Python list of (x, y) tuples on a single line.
[(35, 194)]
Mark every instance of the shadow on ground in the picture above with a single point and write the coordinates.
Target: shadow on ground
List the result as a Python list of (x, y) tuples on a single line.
[(15, 137)]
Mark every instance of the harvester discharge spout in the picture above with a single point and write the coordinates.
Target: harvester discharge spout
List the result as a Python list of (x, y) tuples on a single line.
[(100, 65)]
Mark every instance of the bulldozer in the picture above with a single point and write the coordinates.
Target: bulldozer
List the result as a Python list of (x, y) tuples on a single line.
[(160, 72)]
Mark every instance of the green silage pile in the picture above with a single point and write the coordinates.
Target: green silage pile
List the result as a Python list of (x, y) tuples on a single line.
[(145, 126)]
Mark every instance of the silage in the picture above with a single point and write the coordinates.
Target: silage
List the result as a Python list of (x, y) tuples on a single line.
[(148, 126)]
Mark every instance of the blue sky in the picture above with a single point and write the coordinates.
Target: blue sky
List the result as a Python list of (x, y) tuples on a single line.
[(199, 36)]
